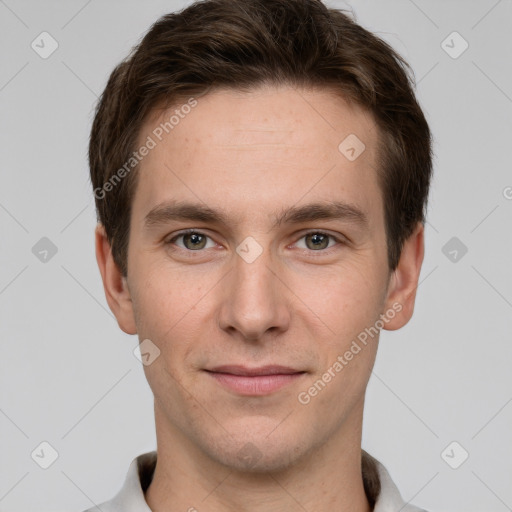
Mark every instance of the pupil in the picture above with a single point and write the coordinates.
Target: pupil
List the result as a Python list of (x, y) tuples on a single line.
[(195, 240), (318, 240)]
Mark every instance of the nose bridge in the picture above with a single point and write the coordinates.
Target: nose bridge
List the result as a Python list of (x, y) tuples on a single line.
[(253, 300)]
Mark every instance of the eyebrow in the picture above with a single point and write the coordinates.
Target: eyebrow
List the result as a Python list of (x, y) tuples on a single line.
[(331, 210)]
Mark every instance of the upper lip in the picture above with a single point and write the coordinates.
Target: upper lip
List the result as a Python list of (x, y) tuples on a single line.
[(252, 372)]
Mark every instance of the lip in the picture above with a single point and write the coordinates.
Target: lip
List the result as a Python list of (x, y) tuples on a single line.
[(273, 369), (254, 381)]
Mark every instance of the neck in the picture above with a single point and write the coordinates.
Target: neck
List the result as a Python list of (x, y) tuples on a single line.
[(328, 478)]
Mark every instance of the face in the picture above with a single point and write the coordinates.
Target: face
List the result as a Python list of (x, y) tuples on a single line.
[(257, 258)]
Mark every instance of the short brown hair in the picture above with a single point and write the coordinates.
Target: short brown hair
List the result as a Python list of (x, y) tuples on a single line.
[(240, 44)]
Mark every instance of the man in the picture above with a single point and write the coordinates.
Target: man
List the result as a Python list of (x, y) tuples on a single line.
[(261, 172)]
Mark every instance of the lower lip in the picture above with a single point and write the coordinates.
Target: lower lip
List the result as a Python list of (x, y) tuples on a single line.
[(256, 385)]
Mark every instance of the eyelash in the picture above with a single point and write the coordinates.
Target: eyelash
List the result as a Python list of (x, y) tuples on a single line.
[(313, 232)]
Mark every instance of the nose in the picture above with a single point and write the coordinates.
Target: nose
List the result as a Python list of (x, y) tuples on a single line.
[(254, 299)]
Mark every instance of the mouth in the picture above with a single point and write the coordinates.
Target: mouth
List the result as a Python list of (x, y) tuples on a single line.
[(254, 381)]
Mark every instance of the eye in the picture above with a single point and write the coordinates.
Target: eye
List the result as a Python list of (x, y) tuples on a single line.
[(317, 240), (192, 240)]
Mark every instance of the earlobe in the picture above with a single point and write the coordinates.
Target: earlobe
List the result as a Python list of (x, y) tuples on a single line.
[(404, 280), (114, 284)]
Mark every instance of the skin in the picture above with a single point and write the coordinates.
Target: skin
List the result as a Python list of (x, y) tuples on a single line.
[(253, 155)]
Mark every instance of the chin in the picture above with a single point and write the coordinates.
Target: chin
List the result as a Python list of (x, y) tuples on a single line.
[(255, 451), (258, 459)]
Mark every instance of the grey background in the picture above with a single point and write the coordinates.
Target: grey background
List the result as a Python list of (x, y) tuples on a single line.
[(68, 374)]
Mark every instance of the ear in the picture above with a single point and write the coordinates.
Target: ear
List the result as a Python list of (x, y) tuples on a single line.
[(403, 282), (114, 284)]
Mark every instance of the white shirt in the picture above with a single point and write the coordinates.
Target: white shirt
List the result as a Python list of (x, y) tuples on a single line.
[(378, 486)]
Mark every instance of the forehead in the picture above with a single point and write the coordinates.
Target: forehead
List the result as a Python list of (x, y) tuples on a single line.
[(288, 111), (272, 145)]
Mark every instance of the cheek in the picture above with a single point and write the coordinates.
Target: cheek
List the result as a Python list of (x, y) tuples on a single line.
[(171, 309), (346, 299), (165, 297)]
